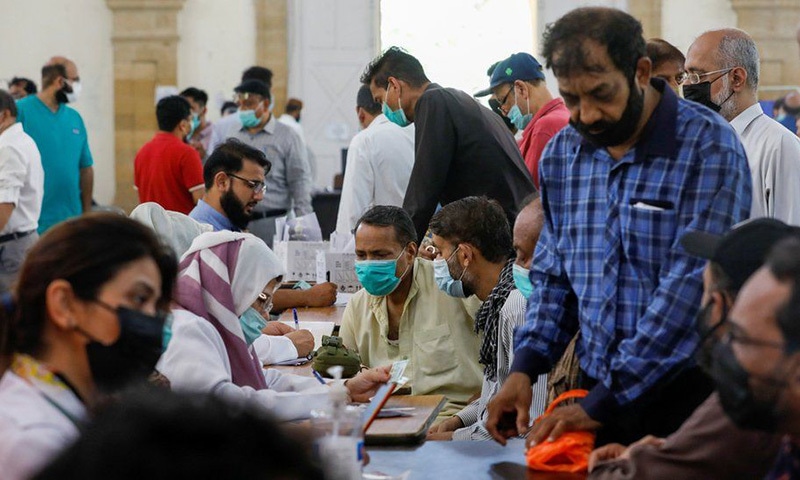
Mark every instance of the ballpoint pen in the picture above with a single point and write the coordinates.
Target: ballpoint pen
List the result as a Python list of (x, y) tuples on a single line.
[(318, 377), (296, 321)]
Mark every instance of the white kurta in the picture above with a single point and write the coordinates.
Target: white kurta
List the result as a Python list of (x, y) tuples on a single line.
[(379, 163), (196, 361), (773, 153), (32, 430)]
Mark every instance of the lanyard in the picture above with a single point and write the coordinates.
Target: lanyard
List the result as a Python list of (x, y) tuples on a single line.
[(25, 367)]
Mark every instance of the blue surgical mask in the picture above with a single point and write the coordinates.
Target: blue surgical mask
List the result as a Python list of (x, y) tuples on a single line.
[(445, 282), (378, 276), (398, 117), (195, 123), (248, 118), (522, 281), (252, 323), (166, 336), (516, 117)]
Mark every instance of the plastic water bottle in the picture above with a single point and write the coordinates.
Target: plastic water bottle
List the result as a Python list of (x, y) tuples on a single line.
[(338, 435)]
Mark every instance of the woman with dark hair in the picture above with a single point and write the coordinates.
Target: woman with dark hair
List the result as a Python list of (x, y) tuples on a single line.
[(85, 322)]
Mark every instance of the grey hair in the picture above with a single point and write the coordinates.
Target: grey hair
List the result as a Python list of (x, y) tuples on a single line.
[(737, 49)]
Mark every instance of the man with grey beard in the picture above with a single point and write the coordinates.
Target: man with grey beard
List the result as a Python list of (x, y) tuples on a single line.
[(723, 68)]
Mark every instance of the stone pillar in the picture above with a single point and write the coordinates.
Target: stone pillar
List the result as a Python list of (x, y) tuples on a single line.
[(272, 47), (649, 13), (145, 39), (772, 24)]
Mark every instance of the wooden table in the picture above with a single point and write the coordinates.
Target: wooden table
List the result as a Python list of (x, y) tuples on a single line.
[(409, 430), (316, 314), (460, 460)]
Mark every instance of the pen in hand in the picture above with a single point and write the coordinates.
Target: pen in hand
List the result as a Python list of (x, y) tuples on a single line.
[(296, 321), (318, 377)]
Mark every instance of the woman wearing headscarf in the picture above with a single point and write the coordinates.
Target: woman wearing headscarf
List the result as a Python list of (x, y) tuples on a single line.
[(281, 342), (84, 323), (215, 324)]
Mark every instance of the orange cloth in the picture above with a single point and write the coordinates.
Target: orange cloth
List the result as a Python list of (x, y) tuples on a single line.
[(569, 452)]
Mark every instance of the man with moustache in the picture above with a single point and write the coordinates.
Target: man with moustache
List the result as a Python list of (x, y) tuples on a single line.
[(636, 169), (723, 68), (234, 179)]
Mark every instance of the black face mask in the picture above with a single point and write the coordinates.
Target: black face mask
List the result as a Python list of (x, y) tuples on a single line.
[(707, 332), (234, 210), (61, 95), (701, 93), (738, 401), (133, 357), (615, 133)]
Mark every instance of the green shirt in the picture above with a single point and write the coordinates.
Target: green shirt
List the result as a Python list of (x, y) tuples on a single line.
[(64, 146), (437, 337)]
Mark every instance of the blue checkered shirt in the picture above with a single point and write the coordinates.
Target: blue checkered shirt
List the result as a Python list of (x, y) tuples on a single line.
[(608, 262)]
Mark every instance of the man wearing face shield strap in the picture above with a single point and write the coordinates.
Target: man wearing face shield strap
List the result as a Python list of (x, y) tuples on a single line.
[(636, 168), (723, 68), (87, 322), (400, 314), (60, 135)]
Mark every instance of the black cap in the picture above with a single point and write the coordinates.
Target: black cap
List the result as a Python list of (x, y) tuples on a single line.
[(742, 250), (253, 86)]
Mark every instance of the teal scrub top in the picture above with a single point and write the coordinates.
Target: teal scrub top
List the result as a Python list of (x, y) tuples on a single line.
[(64, 146)]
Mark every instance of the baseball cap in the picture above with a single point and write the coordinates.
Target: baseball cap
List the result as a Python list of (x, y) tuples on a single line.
[(519, 66), (256, 87), (742, 250)]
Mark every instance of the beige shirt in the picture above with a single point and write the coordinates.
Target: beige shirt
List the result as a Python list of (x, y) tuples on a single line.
[(437, 337)]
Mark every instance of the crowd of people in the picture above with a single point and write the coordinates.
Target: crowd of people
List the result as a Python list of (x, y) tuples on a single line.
[(635, 237)]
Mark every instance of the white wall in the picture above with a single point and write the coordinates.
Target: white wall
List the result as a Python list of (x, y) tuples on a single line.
[(684, 20), (217, 42), (80, 30)]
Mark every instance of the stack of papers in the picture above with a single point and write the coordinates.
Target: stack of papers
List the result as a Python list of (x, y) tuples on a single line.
[(318, 329)]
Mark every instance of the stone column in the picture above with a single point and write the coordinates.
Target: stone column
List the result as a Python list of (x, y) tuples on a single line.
[(649, 13), (145, 39), (272, 48), (772, 24)]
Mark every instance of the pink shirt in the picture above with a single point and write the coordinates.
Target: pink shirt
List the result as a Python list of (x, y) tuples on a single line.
[(551, 118)]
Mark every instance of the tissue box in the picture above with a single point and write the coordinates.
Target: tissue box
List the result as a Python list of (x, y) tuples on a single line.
[(338, 268), (299, 259)]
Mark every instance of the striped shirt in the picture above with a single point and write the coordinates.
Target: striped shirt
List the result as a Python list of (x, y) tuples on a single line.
[(289, 180), (473, 416), (608, 262)]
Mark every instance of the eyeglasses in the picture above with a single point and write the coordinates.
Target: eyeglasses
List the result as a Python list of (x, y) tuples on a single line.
[(694, 78), (735, 333), (503, 101), (265, 302), (256, 186), (681, 77)]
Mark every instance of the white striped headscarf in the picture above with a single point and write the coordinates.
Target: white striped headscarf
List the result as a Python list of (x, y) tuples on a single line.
[(220, 276)]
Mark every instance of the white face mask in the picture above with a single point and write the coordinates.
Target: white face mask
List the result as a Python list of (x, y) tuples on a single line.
[(76, 92)]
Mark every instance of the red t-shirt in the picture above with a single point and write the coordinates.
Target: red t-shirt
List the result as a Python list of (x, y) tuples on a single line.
[(551, 118), (166, 171)]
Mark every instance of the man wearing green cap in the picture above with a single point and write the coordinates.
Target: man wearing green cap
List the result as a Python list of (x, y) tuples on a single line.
[(517, 84)]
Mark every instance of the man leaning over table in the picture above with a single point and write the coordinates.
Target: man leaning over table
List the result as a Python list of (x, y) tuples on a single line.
[(400, 314), (636, 169)]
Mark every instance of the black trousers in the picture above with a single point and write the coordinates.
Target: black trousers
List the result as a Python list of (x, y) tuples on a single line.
[(659, 412)]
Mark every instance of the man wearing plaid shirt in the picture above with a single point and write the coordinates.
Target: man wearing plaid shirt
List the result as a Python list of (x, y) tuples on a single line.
[(635, 169)]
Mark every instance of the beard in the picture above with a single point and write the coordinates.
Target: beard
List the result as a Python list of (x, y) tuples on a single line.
[(610, 134), (235, 210), (726, 100)]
